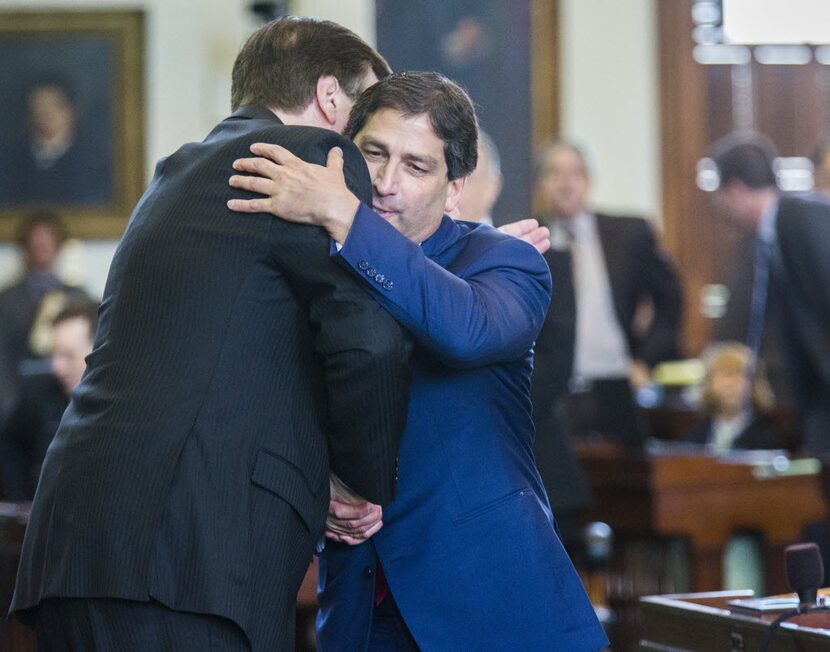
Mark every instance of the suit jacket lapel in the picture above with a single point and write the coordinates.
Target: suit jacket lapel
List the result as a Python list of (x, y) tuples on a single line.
[(614, 264)]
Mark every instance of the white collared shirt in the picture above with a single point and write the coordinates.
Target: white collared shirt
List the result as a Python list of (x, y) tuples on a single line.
[(601, 350)]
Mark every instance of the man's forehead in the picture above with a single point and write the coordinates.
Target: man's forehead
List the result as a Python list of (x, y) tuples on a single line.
[(413, 133), (388, 119)]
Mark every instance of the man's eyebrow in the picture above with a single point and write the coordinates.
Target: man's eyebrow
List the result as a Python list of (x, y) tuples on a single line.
[(368, 141)]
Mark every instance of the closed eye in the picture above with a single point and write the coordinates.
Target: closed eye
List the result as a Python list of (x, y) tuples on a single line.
[(372, 153)]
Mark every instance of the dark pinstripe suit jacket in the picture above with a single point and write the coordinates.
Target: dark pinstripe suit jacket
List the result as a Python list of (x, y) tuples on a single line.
[(233, 355)]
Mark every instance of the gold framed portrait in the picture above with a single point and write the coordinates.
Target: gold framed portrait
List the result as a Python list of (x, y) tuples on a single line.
[(72, 123)]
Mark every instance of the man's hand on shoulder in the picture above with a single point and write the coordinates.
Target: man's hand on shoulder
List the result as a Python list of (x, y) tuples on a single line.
[(529, 231), (295, 190), (351, 519)]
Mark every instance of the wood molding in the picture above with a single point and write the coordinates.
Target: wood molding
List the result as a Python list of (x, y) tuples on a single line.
[(544, 69), (689, 229)]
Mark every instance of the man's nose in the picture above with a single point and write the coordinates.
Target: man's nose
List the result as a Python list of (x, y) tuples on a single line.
[(385, 181)]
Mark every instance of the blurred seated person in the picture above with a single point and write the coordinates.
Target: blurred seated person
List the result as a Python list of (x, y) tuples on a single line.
[(737, 415), (39, 238), (483, 186), (43, 399)]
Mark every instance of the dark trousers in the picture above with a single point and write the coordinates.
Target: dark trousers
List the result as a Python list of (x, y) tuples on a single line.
[(389, 631), (111, 625)]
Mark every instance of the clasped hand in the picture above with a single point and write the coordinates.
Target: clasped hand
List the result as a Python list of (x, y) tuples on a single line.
[(351, 519)]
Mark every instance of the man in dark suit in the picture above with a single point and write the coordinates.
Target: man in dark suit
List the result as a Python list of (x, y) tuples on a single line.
[(791, 277), (235, 364), (609, 274), (44, 398), (468, 557)]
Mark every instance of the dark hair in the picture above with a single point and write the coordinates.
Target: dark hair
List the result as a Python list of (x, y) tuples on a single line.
[(85, 309), (29, 223), (449, 108), (747, 158), (280, 63)]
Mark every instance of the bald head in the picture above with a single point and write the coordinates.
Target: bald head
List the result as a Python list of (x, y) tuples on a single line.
[(483, 186), (562, 180)]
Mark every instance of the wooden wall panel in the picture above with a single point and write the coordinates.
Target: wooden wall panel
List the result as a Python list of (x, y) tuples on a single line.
[(790, 104)]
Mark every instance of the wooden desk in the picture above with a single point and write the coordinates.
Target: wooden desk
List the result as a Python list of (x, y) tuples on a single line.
[(706, 500), (703, 622)]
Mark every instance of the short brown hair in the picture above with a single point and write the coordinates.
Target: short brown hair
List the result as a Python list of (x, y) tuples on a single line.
[(280, 63), (85, 309), (32, 221), (749, 158)]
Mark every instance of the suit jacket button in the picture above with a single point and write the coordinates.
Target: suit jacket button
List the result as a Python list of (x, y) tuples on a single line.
[(369, 572), (363, 264), (388, 285), (380, 278), (371, 272)]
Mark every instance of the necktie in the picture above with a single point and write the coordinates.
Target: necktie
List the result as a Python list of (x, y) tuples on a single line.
[(760, 290), (755, 328)]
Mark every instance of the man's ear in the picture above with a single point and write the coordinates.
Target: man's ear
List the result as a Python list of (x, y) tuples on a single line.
[(328, 96), (454, 189)]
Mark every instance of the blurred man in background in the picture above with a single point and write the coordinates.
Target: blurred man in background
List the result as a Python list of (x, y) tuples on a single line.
[(791, 273), (607, 273), (44, 398)]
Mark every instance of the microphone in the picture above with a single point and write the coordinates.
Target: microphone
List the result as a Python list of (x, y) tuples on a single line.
[(805, 571), (805, 574)]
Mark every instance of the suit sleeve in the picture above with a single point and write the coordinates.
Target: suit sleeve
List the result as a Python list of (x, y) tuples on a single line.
[(662, 285), (492, 314), (363, 351)]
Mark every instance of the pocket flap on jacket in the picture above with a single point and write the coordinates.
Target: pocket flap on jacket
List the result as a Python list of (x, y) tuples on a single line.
[(281, 477)]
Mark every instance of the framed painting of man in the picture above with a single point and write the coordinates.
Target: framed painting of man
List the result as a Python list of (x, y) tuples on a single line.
[(71, 119)]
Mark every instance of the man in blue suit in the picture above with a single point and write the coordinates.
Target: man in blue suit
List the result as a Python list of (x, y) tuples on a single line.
[(467, 556)]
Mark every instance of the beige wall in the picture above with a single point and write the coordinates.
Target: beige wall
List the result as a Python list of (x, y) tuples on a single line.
[(610, 98)]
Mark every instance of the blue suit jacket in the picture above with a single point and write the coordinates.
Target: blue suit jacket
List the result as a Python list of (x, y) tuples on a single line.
[(468, 546)]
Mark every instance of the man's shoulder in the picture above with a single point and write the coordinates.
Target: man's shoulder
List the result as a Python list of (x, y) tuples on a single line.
[(804, 205), (12, 291), (624, 230), (622, 222), (309, 143), (487, 244), (480, 236)]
